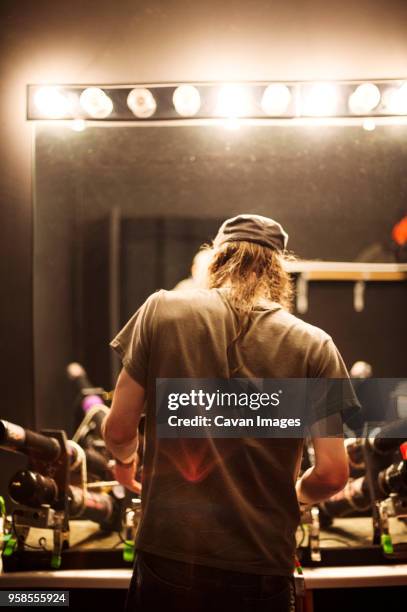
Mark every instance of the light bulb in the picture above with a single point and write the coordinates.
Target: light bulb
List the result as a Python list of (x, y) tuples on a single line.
[(141, 102), (233, 101), (52, 103), (395, 100), (96, 102), (187, 100), (364, 99), (320, 100), (276, 99)]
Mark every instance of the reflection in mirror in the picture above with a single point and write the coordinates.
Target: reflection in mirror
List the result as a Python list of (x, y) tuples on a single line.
[(121, 210)]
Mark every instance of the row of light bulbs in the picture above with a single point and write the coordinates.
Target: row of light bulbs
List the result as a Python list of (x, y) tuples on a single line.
[(232, 100)]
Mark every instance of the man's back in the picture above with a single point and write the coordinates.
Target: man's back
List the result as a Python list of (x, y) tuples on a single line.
[(227, 503), (192, 330)]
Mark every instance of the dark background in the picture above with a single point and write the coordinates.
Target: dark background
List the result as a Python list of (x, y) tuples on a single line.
[(151, 40), (163, 191)]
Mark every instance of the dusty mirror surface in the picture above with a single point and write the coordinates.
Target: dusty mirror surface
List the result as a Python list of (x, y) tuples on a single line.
[(121, 210)]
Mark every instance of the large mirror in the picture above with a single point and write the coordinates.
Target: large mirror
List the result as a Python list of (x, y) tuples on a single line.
[(120, 211)]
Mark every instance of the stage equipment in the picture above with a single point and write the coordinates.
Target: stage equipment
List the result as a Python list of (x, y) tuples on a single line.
[(382, 490), (62, 481)]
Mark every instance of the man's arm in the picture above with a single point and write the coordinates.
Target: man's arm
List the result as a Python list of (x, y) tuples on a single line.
[(331, 470), (120, 427)]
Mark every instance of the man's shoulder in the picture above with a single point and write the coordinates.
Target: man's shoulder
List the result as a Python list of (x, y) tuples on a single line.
[(187, 294), (301, 328), (187, 300)]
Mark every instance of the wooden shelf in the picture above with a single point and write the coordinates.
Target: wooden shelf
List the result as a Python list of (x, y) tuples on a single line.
[(347, 271)]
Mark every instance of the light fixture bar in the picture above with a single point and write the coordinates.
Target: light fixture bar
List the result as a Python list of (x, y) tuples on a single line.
[(254, 100)]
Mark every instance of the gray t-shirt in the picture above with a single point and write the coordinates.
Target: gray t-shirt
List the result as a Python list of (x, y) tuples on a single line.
[(226, 503)]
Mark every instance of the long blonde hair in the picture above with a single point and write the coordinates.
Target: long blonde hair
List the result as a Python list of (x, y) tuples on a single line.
[(251, 271)]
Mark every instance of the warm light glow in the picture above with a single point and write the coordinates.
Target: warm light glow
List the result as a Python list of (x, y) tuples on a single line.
[(233, 101), (229, 104), (369, 124), (395, 100), (52, 103), (187, 100), (96, 103), (276, 99), (141, 102), (78, 125), (231, 123), (364, 99), (320, 100)]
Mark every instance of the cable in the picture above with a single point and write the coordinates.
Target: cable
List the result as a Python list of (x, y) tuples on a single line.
[(36, 547), (122, 540), (83, 427)]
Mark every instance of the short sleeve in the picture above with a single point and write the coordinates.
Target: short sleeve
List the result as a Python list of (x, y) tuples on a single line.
[(330, 390), (133, 342)]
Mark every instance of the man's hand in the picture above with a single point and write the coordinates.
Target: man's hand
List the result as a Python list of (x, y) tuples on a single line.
[(328, 476), (125, 475)]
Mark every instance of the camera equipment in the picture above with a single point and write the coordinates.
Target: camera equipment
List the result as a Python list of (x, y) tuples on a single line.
[(54, 486), (382, 489)]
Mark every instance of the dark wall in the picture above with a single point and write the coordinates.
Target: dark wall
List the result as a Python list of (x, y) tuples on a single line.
[(155, 40), (336, 189)]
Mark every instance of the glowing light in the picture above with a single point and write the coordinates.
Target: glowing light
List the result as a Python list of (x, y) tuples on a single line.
[(395, 100), (52, 103), (369, 124), (78, 125), (141, 102), (187, 100), (364, 99), (96, 103), (320, 100), (276, 99), (231, 123), (233, 101)]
